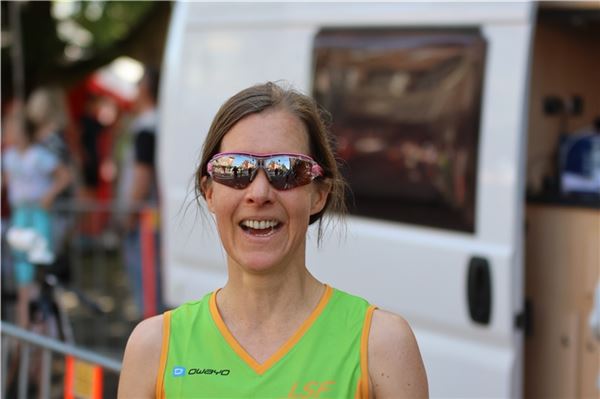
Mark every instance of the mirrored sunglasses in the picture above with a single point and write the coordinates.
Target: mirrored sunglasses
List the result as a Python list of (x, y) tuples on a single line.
[(284, 171)]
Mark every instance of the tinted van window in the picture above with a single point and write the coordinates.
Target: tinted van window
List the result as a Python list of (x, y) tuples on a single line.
[(405, 108)]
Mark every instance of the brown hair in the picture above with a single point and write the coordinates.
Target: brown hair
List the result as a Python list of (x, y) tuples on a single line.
[(271, 96)]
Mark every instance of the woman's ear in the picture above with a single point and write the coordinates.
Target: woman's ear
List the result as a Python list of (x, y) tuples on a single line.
[(207, 191), (320, 193)]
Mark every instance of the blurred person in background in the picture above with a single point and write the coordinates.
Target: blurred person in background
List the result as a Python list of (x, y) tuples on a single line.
[(46, 112), (138, 192), (90, 130), (34, 178), (97, 115)]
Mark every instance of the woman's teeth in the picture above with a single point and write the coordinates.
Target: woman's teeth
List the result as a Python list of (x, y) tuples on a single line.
[(259, 224), (261, 228)]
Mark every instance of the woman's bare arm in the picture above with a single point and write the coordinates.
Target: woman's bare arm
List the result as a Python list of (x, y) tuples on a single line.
[(396, 369), (142, 360), (61, 178)]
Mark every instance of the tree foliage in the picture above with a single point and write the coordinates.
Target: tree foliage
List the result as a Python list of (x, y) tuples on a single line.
[(63, 49)]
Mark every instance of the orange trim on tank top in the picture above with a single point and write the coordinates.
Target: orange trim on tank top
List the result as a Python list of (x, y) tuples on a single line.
[(362, 391), (285, 348), (160, 389)]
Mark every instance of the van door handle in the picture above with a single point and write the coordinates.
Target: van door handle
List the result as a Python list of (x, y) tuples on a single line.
[(479, 290)]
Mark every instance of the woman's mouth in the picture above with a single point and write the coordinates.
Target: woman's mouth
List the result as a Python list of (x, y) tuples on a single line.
[(260, 228)]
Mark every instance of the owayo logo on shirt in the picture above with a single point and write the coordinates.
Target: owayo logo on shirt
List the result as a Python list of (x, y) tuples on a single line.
[(178, 371)]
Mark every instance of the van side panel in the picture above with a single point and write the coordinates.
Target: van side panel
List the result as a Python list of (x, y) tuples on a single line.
[(216, 50)]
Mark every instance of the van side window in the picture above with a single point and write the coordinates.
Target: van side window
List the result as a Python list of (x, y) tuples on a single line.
[(405, 108)]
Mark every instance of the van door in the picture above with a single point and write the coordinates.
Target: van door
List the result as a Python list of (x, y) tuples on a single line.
[(440, 245)]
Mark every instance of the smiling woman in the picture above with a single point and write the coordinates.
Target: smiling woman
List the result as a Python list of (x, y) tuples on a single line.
[(267, 172)]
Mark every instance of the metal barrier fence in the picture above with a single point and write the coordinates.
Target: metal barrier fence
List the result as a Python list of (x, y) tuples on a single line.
[(49, 346), (94, 274)]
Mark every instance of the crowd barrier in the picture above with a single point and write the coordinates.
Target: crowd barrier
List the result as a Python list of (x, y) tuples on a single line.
[(83, 376), (92, 274)]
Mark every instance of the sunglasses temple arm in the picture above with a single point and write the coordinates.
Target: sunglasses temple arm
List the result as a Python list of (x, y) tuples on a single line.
[(316, 170)]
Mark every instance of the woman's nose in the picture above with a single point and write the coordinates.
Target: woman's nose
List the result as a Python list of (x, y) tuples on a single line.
[(259, 191)]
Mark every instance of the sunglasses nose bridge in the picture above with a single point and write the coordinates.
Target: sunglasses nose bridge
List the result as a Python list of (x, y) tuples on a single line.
[(260, 164), (259, 190)]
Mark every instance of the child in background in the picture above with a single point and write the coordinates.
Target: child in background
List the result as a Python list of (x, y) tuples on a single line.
[(34, 177)]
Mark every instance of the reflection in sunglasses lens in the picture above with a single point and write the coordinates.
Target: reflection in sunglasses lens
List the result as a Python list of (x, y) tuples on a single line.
[(283, 172)]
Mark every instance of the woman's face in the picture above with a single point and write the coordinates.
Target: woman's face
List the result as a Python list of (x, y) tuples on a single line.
[(257, 251)]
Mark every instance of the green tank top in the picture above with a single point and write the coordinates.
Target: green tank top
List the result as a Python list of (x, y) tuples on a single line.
[(325, 358)]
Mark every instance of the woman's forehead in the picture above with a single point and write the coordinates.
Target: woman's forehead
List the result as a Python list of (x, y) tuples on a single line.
[(267, 132)]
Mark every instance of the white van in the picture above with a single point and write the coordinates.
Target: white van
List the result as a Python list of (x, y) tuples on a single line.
[(430, 107)]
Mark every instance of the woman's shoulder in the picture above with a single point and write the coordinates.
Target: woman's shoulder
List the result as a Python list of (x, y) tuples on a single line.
[(142, 359), (387, 325), (395, 363), (148, 332)]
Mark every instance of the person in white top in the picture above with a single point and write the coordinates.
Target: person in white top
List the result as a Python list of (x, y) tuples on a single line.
[(34, 177)]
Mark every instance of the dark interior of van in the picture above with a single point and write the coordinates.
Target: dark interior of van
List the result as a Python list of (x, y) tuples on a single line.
[(562, 237)]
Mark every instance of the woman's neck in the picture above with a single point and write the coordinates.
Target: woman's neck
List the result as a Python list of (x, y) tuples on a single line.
[(258, 299), (263, 312)]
